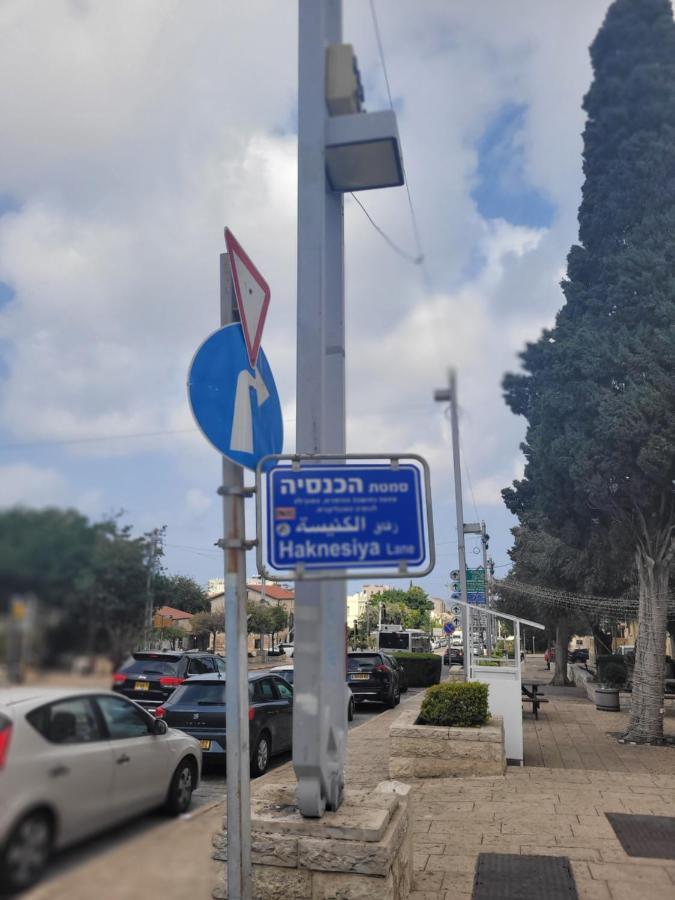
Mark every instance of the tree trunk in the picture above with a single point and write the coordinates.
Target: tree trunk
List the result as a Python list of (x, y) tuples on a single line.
[(646, 712), (671, 632), (562, 639)]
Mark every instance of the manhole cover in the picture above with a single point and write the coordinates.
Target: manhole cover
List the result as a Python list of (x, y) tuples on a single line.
[(510, 876), (651, 836)]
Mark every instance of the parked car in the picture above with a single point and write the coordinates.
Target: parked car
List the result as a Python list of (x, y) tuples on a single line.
[(289, 649), (579, 654), (454, 656), (287, 673), (198, 708), (371, 676), (402, 674), (150, 676), (75, 762)]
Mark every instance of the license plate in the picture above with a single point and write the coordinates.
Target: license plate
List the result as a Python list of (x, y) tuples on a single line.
[(141, 686), (363, 677), (205, 745)]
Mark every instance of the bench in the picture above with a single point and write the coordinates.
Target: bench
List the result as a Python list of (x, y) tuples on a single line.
[(533, 696)]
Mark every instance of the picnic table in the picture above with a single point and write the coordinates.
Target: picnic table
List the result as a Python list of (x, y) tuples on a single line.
[(532, 694)]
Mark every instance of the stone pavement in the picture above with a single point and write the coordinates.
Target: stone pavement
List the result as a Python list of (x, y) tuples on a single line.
[(553, 810)]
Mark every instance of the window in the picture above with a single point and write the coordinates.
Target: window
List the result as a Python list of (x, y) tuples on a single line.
[(285, 693), (263, 691), (147, 665), (201, 666), (124, 719), (221, 665), (71, 721), (200, 694)]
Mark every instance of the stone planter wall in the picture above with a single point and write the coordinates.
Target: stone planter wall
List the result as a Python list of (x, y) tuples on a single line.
[(432, 751), (361, 852)]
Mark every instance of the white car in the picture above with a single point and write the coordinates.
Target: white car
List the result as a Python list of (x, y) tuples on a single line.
[(76, 762), (287, 673)]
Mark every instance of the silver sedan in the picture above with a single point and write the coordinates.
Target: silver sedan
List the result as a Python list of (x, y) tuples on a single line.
[(76, 762)]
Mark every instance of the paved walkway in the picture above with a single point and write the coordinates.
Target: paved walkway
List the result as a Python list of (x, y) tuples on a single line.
[(556, 809), (572, 734)]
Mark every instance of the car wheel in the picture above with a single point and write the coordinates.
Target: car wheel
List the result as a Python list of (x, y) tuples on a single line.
[(26, 851), (350, 710), (390, 701), (260, 759), (397, 695), (180, 790)]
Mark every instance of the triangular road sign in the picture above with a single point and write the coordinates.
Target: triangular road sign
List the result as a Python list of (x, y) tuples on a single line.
[(252, 293)]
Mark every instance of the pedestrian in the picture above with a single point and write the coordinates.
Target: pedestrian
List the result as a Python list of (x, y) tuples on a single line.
[(547, 658)]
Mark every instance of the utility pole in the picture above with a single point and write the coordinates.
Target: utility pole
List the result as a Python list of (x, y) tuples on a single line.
[(449, 395), (149, 597), (239, 871), (320, 717)]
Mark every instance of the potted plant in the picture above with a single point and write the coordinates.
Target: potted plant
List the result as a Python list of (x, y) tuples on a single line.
[(452, 735)]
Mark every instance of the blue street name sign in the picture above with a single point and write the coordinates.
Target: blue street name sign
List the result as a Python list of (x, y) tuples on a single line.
[(476, 597), (448, 628), (236, 406), (345, 517)]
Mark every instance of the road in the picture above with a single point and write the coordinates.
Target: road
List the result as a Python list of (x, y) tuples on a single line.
[(210, 790)]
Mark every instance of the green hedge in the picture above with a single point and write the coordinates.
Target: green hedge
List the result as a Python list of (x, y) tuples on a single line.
[(463, 703), (422, 669)]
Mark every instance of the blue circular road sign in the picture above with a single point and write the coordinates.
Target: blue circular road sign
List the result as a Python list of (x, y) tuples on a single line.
[(236, 406), (448, 628)]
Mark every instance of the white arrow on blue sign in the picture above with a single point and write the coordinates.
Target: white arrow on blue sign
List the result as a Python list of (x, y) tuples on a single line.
[(236, 406)]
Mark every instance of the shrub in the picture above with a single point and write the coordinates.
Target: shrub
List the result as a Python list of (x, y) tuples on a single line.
[(612, 669), (422, 669), (463, 703)]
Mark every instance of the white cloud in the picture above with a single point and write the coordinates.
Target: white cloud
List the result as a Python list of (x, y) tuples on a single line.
[(139, 129), (25, 485)]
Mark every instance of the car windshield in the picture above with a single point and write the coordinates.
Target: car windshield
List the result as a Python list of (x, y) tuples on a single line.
[(363, 662), (287, 675), (149, 666), (196, 694)]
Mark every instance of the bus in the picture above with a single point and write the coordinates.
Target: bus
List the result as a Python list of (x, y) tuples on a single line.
[(396, 638)]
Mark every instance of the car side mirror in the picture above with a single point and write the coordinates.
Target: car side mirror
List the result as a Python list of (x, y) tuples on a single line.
[(160, 727)]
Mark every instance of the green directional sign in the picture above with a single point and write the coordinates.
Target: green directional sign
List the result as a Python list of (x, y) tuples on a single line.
[(475, 579)]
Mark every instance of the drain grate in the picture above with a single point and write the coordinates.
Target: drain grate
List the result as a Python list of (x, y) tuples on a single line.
[(510, 876), (649, 836)]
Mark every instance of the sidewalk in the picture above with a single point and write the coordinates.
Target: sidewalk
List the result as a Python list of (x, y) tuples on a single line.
[(553, 810)]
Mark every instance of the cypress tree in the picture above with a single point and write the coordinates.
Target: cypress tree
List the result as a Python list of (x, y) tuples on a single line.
[(599, 388)]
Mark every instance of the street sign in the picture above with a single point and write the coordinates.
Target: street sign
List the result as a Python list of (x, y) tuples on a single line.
[(448, 628), (252, 293), (336, 518), (475, 579), (476, 597), (456, 622), (236, 406)]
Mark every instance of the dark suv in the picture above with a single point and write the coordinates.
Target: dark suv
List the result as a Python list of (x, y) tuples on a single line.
[(150, 676), (371, 676)]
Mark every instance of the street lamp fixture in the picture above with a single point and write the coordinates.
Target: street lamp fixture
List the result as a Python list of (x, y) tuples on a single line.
[(363, 152)]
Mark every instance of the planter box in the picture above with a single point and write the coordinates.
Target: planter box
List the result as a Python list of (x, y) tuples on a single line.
[(434, 751)]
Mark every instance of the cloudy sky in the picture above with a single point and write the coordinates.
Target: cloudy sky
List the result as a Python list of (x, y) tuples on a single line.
[(134, 131)]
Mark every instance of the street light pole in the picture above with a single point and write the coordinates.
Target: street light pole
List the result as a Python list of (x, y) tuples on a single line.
[(449, 395), (319, 719)]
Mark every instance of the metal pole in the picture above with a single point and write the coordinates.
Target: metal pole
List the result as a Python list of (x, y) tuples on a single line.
[(236, 657), (459, 507), (320, 718)]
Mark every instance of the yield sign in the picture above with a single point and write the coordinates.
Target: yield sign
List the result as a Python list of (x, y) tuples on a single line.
[(252, 293)]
